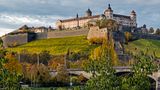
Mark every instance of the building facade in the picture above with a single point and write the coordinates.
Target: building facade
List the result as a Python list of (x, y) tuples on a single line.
[(123, 20)]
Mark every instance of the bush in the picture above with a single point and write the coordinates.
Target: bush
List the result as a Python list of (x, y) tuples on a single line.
[(96, 40), (128, 36)]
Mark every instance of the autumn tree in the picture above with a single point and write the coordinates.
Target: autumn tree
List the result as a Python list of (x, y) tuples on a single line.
[(62, 74), (44, 57), (110, 24), (56, 60), (81, 79), (39, 73), (101, 66), (128, 36), (11, 72)]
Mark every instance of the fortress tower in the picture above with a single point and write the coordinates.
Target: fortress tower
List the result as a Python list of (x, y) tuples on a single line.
[(133, 17), (109, 12), (88, 13)]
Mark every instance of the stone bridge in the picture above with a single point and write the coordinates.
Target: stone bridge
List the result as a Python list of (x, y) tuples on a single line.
[(121, 69)]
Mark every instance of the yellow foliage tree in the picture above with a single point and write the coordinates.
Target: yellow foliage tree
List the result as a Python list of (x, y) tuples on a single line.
[(108, 44), (39, 73), (128, 36), (62, 74), (13, 65)]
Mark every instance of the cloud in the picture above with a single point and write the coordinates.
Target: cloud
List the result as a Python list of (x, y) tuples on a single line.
[(5, 31), (34, 20), (10, 22)]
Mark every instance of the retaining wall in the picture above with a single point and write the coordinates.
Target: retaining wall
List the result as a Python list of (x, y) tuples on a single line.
[(61, 34), (145, 36), (14, 40)]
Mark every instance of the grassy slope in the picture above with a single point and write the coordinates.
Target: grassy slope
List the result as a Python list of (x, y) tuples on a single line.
[(56, 45), (143, 44)]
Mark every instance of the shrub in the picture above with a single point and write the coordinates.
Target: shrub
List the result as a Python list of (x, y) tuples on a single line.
[(128, 36), (96, 40), (62, 74)]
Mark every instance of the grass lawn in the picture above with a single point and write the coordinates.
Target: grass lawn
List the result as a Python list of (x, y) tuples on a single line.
[(56, 46), (143, 45)]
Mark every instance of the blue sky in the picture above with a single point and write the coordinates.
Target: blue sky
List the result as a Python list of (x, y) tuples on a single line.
[(15, 13)]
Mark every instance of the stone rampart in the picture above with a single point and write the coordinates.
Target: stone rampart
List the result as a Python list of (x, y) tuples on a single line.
[(145, 36), (61, 34), (14, 40)]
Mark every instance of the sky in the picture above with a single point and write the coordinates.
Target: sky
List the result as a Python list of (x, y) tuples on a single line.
[(15, 13)]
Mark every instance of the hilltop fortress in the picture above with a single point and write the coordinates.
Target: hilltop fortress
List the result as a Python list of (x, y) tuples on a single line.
[(123, 20), (79, 26)]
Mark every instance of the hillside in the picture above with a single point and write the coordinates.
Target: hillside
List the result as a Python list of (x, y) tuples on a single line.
[(56, 46), (143, 44)]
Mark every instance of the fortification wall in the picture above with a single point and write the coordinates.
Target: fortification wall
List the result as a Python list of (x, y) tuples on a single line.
[(41, 35), (14, 40), (61, 34), (95, 32), (145, 36)]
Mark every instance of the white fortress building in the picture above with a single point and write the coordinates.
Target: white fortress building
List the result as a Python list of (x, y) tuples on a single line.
[(123, 20)]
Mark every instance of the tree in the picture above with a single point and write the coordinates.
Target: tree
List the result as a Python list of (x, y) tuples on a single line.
[(44, 57), (1, 43), (157, 31), (138, 79), (110, 24), (62, 74), (128, 36), (151, 30), (143, 66), (39, 73), (101, 67), (10, 72)]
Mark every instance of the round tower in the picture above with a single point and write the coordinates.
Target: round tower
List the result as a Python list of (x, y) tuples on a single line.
[(133, 17), (88, 13), (109, 12)]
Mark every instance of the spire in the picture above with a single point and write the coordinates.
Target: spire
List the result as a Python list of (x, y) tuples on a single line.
[(133, 12), (109, 6), (89, 10), (109, 9), (77, 16), (88, 13)]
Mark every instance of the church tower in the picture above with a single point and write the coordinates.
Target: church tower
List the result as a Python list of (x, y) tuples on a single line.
[(88, 13), (109, 12), (133, 17)]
